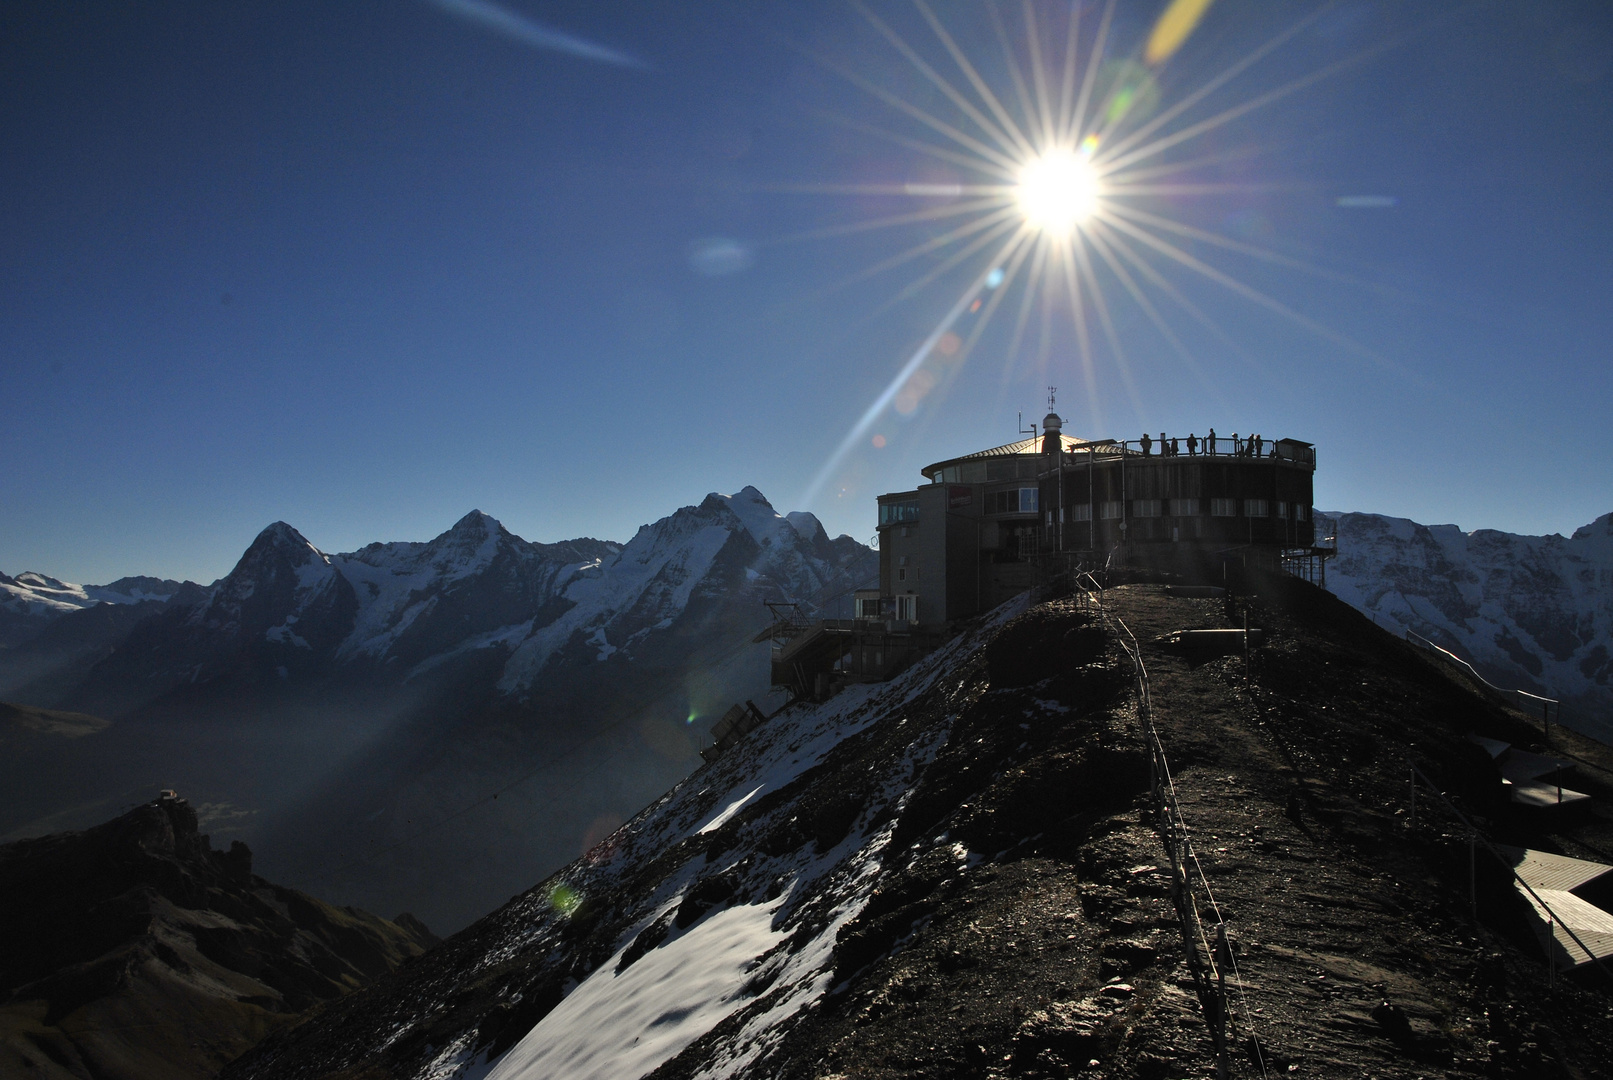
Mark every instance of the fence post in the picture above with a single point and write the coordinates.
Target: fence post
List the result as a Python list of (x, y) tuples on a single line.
[(1246, 643), (1223, 957)]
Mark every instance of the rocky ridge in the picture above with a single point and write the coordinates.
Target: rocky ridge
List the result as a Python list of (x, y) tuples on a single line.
[(134, 949), (959, 873)]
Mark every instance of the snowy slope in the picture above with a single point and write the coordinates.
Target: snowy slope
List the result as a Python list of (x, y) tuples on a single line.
[(723, 906), (475, 585), (1530, 612), (648, 586)]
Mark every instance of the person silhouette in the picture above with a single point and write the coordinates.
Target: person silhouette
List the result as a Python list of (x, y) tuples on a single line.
[(1176, 450), (1192, 444), (1147, 444), (1209, 442), (1258, 441)]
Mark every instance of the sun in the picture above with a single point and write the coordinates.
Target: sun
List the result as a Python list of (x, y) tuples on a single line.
[(1058, 191)]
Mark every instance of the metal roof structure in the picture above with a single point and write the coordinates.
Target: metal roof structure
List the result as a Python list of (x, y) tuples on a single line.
[(1543, 870), (1032, 446), (1592, 925), (1558, 916)]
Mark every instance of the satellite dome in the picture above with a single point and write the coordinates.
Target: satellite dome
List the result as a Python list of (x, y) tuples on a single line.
[(1051, 422)]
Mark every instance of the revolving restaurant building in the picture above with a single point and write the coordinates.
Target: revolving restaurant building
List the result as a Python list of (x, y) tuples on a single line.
[(987, 523)]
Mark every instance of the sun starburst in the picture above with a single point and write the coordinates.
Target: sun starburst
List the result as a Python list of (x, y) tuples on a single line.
[(1064, 155)]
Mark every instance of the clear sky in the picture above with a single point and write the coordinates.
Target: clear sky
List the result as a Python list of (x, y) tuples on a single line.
[(365, 266)]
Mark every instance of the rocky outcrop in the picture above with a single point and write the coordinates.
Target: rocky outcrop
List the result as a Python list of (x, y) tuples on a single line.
[(134, 949)]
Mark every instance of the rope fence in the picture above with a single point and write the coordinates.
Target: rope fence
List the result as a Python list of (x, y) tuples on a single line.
[(1209, 962)]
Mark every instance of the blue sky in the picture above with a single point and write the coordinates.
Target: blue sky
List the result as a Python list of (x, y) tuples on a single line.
[(364, 267)]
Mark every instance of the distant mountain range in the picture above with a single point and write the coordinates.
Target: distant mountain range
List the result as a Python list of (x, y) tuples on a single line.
[(505, 695), (431, 726), (1532, 613)]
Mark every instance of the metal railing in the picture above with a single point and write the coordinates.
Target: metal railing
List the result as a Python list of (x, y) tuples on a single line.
[(1192, 447), (1211, 966), (1505, 696), (1476, 837)]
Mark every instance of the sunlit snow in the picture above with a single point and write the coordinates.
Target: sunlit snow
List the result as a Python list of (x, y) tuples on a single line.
[(622, 1026)]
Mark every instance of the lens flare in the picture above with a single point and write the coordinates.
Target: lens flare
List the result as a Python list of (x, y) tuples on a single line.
[(1173, 29), (1061, 161), (564, 900), (1058, 191)]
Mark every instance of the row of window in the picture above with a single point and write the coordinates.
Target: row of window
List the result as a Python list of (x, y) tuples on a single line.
[(1026, 501), (1152, 508), (1016, 467), (895, 513), (907, 607), (1012, 501)]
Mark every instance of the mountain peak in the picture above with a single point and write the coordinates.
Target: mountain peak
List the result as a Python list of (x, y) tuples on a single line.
[(478, 523), (807, 525), (751, 507), (280, 535), (1602, 526)]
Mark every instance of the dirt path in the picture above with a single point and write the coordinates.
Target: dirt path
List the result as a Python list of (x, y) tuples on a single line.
[(1354, 940)]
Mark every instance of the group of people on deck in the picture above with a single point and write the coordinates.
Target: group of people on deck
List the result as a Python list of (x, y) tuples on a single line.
[(1253, 446)]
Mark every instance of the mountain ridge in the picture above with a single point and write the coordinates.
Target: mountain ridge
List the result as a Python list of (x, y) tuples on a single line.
[(391, 686), (1529, 612)]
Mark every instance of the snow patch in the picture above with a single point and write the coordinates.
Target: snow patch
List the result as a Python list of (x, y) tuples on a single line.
[(620, 1026), (730, 810)]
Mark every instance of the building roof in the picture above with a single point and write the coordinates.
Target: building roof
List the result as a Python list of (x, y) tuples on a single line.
[(1029, 447), (1543, 870)]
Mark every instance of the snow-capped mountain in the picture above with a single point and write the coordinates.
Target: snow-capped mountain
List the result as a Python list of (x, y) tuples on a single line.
[(289, 611), (390, 686), (1530, 612), (726, 541), (31, 600)]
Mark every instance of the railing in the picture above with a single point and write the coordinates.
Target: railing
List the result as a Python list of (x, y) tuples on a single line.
[(1192, 447), (1475, 838), (1210, 967), (1505, 696)]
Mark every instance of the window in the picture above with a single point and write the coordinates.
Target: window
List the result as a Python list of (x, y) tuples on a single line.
[(901, 574), (1301, 512), (1012, 501), (894, 513), (1223, 507), (1254, 508), (1145, 508), (1080, 513), (1184, 507), (907, 607), (1108, 511), (1282, 510), (867, 607)]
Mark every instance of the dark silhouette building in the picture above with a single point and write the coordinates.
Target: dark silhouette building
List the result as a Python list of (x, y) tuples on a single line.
[(989, 523)]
